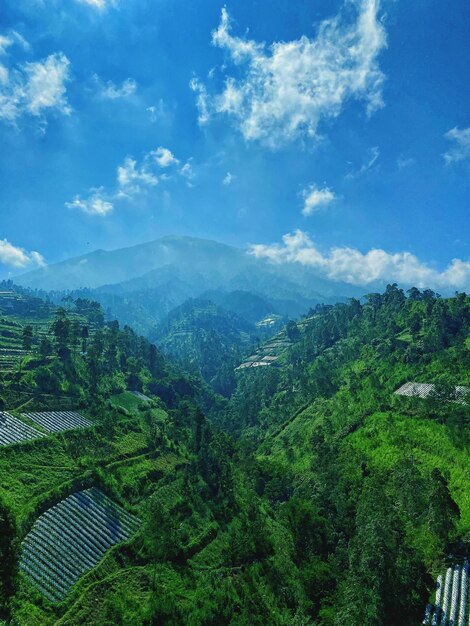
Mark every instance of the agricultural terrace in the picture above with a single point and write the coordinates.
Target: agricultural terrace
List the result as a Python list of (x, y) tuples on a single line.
[(268, 353), (31, 327), (69, 539), (13, 430), (451, 598), (58, 421)]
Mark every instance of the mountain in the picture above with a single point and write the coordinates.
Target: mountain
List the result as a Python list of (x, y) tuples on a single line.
[(169, 270)]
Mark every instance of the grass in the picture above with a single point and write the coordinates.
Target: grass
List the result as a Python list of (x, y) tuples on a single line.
[(387, 437), (124, 592), (29, 471), (128, 401)]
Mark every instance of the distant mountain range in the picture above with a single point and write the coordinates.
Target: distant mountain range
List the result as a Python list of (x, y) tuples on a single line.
[(142, 283)]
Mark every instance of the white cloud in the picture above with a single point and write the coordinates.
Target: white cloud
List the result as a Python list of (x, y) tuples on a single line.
[(13, 37), (157, 111), (374, 154), (98, 4), (352, 266), (403, 162), (164, 157), (5, 42), (3, 81), (153, 111), (202, 101), (45, 86), (187, 171), (111, 91), (95, 204), (35, 88), (286, 89), (316, 198), (132, 179), (17, 257), (228, 179), (460, 149)]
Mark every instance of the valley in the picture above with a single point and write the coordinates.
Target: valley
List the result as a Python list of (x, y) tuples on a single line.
[(283, 485)]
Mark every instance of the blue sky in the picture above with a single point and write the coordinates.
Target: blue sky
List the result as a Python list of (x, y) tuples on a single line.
[(332, 133)]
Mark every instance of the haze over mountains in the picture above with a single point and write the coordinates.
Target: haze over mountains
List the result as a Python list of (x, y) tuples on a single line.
[(162, 274)]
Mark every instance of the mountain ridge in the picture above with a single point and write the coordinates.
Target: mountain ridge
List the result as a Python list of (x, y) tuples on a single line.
[(217, 261)]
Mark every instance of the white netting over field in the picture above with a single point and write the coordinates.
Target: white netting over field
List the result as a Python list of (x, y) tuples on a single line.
[(57, 421), (425, 390), (451, 602), (141, 396), (13, 430), (69, 539)]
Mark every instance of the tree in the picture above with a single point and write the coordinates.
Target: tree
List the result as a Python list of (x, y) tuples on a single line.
[(61, 330), (84, 336), (443, 512), (198, 430), (414, 294), (45, 347), (7, 561), (160, 533), (293, 331), (47, 381), (384, 573), (27, 337)]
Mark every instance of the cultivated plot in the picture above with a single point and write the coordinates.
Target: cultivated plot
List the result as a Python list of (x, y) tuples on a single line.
[(13, 430), (57, 421), (425, 390), (451, 603), (69, 539)]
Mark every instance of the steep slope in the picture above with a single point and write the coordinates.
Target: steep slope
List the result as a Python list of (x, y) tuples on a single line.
[(251, 306), (207, 340), (382, 478)]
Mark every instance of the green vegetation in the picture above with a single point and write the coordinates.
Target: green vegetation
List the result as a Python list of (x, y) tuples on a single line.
[(207, 340), (313, 495)]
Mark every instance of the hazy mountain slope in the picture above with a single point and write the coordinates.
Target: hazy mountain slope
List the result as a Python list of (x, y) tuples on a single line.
[(196, 264), (111, 267), (207, 340), (250, 306)]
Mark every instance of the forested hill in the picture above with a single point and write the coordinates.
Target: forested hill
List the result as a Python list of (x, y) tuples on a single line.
[(373, 486), (314, 496), (383, 342), (209, 341)]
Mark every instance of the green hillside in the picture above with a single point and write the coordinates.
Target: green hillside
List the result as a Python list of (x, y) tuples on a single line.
[(314, 495), (209, 340)]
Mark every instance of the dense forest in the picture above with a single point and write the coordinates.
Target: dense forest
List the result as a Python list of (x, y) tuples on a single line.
[(310, 493)]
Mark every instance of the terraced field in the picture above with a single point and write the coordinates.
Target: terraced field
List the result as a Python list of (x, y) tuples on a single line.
[(425, 390), (13, 430), (268, 353), (18, 311), (58, 421), (451, 601), (70, 539), (141, 396)]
